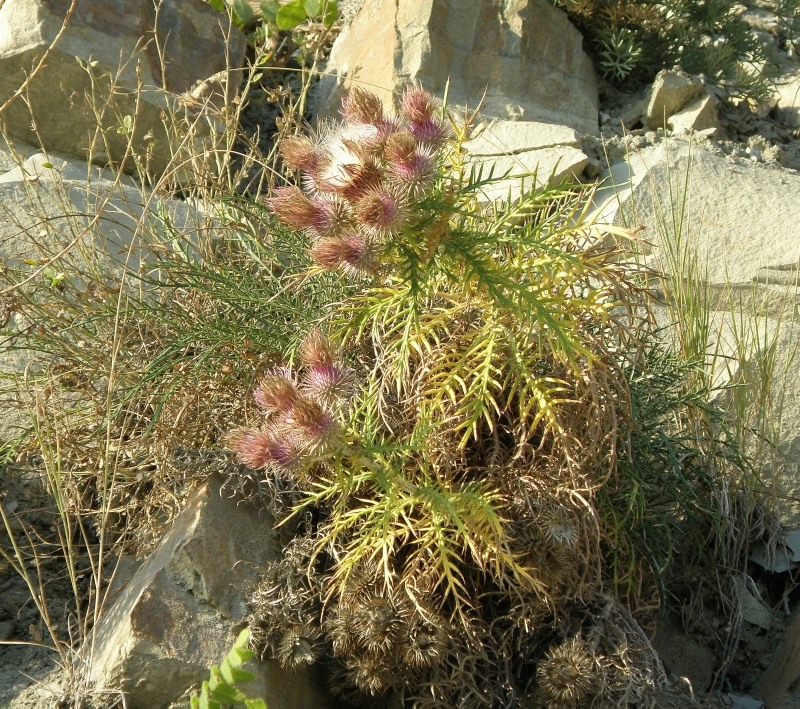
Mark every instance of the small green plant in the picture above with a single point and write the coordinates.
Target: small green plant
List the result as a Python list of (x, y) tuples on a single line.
[(222, 690), (278, 16), (634, 39)]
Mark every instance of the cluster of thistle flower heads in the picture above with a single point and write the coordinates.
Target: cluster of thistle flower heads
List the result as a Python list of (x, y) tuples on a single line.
[(361, 178), (381, 637), (302, 410), (285, 607)]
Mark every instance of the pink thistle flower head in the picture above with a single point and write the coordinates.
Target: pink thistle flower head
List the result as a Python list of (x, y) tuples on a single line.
[(360, 180), (276, 394), (352, 252), (292, 207), (380, 209), (288, 452), (362, 106), (253, 448), (316, 423), (345, 151), (299, 152), (328, 383), (415, 174), (400, 147), (332, 215), (417, 105), (431, 132), (316, 349)]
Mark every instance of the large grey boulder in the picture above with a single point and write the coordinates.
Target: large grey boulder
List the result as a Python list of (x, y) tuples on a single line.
[(740, 215), (64, 223), (179, 613), (740, 220), (788, 97), (520, 60), (131, 58)]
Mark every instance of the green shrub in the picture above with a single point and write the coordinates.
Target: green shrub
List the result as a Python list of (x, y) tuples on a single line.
[(632, 40)]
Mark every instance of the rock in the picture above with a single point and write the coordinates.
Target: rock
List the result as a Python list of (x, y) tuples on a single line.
[(784, 670), (780, 557), (138, 56), (787, 88), (522, 58), (672, 90), (178, 614), (734, 239), (700, 114), (754, 610), (742, 701), (84, 218), (740, 217), (550, 152), (65, 223)]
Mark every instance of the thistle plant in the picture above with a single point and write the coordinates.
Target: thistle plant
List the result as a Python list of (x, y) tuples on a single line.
[(448, 447)]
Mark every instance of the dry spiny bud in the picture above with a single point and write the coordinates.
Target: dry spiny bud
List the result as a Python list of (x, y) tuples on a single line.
[(424, 644), (292, 207), (362, 580), (557, 527), (299, 646), (276, 394), (339, 627), (362, 106), (370, 674), (568, 675), (351, 252), (378, 624), (551, 564)]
